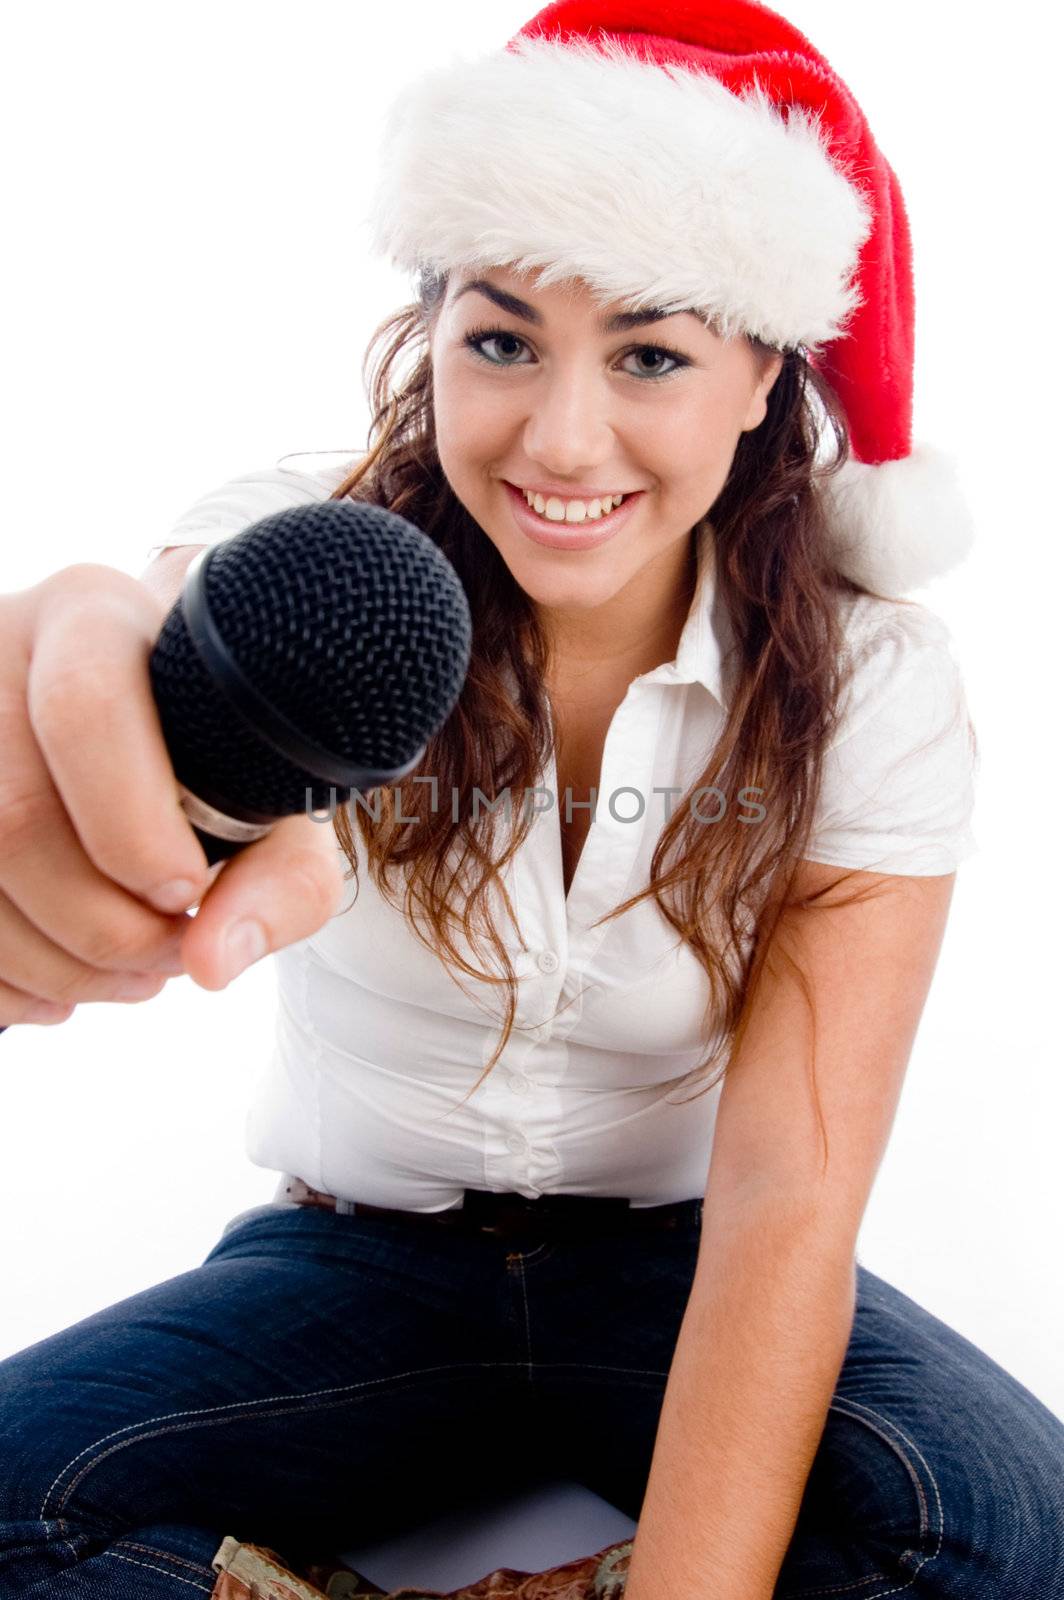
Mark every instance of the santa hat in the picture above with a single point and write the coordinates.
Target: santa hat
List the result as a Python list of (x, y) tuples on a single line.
[(699, 154)]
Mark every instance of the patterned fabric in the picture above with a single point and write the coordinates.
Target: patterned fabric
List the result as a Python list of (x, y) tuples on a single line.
[(250, 1572)]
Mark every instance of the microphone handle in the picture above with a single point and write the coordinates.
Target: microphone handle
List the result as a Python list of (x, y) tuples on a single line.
[(217, 849)]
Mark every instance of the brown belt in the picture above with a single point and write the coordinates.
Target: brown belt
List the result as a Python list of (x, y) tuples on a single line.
[(509, 1215)]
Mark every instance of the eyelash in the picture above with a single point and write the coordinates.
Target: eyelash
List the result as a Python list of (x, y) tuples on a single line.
[(478, 336)]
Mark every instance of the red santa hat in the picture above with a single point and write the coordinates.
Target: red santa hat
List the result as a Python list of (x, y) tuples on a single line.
[(699, 154)]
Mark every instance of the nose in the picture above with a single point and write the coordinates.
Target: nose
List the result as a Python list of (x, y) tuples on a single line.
[(569, 430)]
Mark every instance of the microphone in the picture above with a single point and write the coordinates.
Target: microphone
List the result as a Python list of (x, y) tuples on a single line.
[(318, 650), (313, 654)]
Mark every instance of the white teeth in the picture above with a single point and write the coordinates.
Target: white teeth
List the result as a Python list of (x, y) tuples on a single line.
[(556, 510)]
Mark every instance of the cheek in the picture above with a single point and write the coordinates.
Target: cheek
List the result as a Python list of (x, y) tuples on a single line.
[(691, 449), (463, 439), (468, 422)]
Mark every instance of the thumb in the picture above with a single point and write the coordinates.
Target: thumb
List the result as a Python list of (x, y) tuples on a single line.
[(280, 889)]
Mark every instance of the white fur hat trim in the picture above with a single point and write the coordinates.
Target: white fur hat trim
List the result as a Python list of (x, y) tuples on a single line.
[(655, 185)]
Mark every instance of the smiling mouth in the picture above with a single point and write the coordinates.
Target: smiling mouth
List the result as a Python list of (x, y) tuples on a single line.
[(586, 521)]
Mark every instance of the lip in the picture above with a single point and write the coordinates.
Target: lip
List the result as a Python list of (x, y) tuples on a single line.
[(574, 536)]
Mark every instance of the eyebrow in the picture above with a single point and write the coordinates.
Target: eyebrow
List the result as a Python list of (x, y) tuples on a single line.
[(619, 323)]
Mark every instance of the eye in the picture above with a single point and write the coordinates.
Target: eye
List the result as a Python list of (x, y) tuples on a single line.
[(477, 337)]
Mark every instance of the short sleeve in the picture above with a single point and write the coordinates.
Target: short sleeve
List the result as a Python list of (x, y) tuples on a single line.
[(898, 785), (239, 502)]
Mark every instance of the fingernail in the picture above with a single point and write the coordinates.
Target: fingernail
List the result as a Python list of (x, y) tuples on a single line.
[(174, 896), (245, 942)]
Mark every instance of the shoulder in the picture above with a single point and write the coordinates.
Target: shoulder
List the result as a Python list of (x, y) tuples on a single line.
[(230, 507), (897, 781), (321, 470), (895, 653), (293, 480), (891, 630)]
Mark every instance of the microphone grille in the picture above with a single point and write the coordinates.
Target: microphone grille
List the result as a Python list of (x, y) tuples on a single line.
[(345, 617)]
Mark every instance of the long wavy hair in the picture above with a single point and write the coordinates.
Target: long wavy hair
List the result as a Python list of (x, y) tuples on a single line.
[(723, 888)]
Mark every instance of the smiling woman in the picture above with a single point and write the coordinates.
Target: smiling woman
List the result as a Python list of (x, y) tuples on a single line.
[(576, 1103), (716, 568)]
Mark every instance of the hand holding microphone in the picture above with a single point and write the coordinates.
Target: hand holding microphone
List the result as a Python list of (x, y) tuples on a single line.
[(317, 651)]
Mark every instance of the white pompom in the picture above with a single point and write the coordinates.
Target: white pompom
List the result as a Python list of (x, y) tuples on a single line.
[(897, 525)]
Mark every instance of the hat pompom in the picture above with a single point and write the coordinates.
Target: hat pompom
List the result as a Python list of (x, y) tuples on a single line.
[(895, 525)]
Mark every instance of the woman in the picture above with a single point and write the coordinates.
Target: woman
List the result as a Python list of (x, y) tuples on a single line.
[(637, 278)]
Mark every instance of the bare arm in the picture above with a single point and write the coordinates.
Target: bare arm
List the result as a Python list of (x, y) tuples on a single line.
[(759, 1353), (771, 1307)]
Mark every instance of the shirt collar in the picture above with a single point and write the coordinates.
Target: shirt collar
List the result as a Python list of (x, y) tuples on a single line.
[(705, 639)]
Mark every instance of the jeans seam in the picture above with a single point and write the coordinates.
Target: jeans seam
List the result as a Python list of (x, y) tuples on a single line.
[(593, 1366), (151, 1567), (886, 1424), (921, 1499), (65, 1538), (240, 1407), (32, 1546), (542, 1252), (164, 1555), (528, 1327)]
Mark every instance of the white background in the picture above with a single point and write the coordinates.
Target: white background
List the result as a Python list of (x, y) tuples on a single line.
[(187, 297)]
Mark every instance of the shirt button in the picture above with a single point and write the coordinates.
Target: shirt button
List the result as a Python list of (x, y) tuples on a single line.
[(517, 1083), (516, 1144), (547, 961)]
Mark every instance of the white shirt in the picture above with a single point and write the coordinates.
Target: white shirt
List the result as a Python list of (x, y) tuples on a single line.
[(376, 1044)]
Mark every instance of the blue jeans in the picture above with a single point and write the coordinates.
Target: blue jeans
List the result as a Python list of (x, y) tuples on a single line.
[(322, 1381)]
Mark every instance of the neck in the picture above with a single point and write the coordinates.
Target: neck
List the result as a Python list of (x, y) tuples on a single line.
[(622, 639)]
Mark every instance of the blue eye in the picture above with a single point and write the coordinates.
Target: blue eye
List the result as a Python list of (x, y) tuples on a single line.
[(479, 336)]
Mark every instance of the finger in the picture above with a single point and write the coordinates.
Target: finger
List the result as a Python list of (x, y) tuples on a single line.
[(45, 872), (95, 719), (17, 1006), (40, 969), (287, 884)]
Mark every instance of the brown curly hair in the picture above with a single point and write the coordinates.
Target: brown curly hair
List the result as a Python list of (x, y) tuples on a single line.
[(714, 885)]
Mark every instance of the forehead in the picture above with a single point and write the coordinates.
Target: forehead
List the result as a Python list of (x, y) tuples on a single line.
[(509, 291)]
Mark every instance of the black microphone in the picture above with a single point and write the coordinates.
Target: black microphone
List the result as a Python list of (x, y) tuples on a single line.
[(317, 651), (313, 654)]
